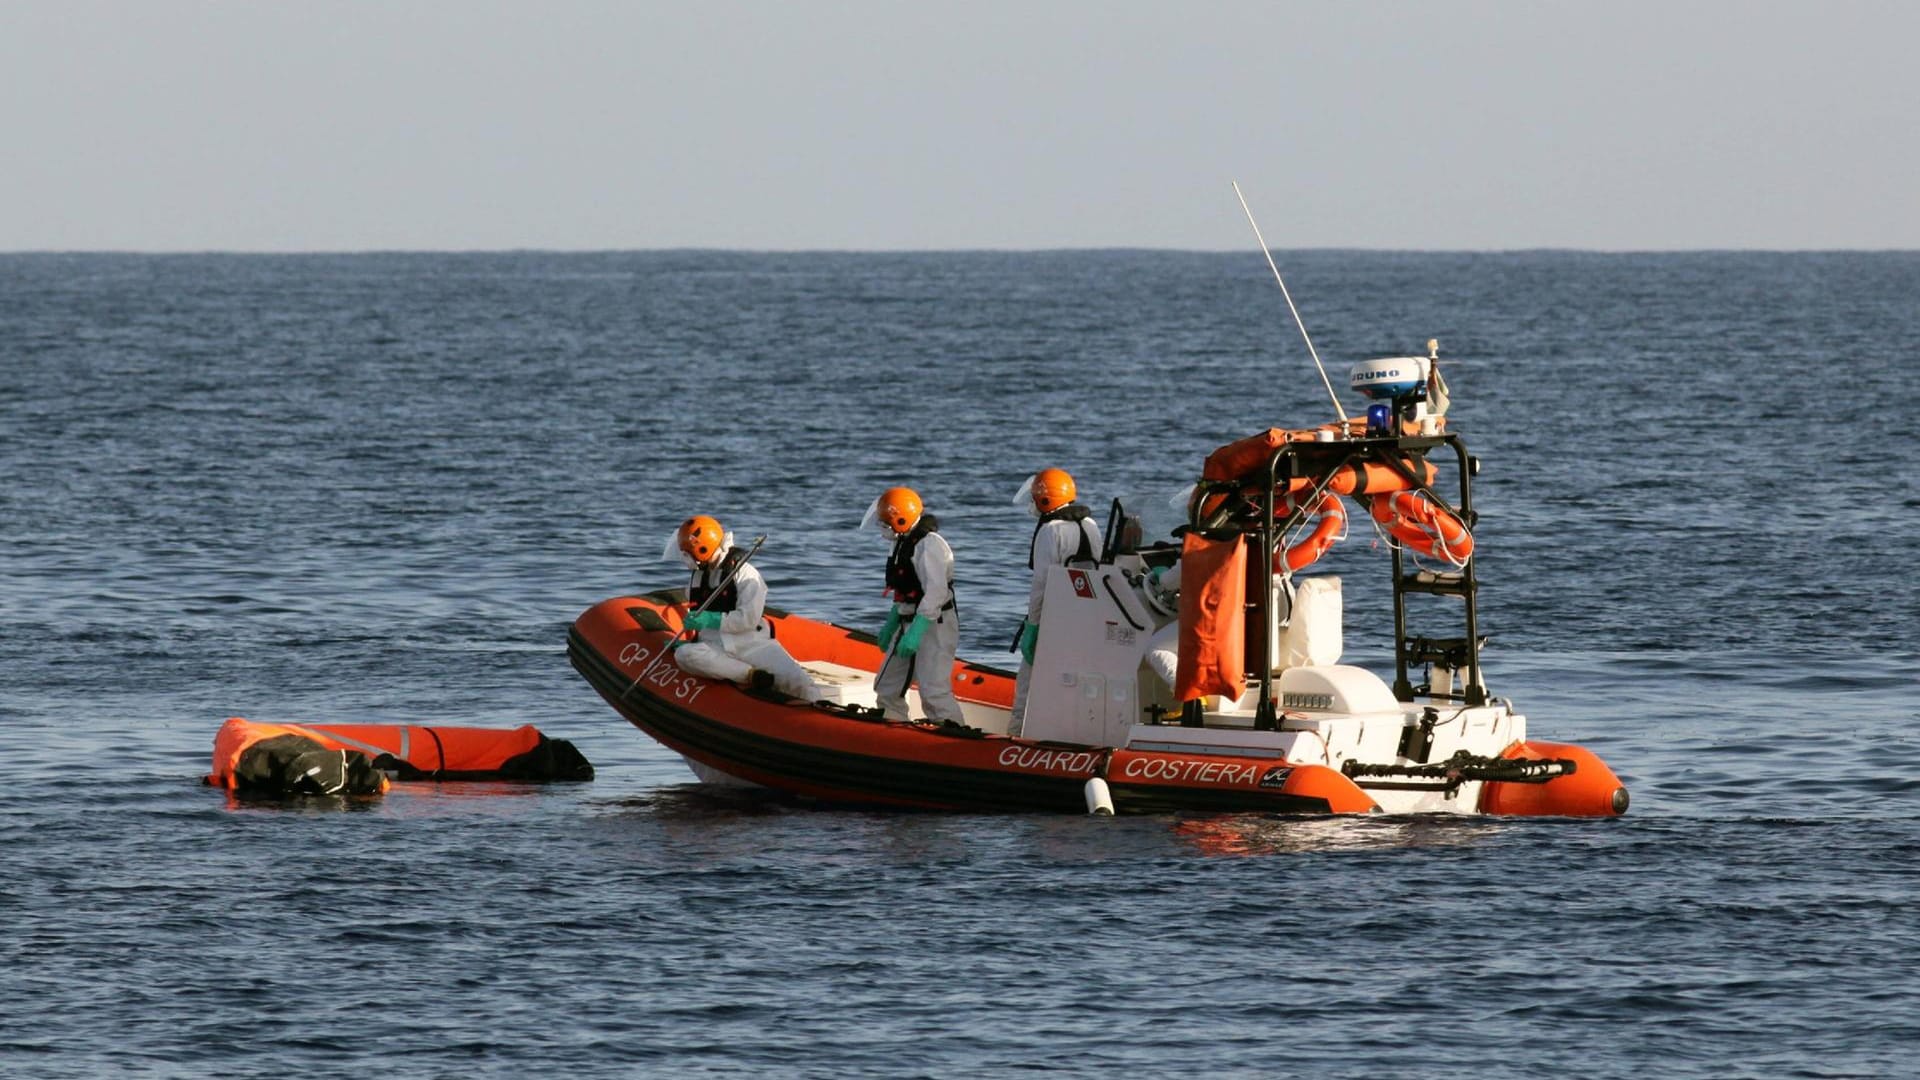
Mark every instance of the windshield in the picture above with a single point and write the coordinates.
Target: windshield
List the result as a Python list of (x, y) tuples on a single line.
[(1142, 521)]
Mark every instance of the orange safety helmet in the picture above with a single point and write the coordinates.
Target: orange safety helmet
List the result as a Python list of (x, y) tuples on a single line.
[(1051, 489), (700, 538), (897, 508)]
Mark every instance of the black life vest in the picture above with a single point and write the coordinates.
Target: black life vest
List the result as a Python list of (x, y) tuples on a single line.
[(902, 581), (706, 577), (1075, 513)]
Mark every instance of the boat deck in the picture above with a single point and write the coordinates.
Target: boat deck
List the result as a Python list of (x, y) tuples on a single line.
[(844, 685)]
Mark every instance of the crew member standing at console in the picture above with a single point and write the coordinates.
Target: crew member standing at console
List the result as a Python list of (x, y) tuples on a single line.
[(1066, 534), (733, 641), (920, 580)]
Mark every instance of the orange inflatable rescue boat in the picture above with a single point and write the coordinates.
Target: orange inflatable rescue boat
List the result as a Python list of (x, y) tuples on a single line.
[(1260, 714), (250, 757)]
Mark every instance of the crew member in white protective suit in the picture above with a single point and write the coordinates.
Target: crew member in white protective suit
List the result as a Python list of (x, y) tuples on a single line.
[(1162, 591), (920, 581), (1066, 534), (732, 641)]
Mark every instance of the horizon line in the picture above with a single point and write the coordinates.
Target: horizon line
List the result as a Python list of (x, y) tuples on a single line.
[(1083, 250)]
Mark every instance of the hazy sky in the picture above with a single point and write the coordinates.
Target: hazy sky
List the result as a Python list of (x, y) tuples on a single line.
[(163, 125)]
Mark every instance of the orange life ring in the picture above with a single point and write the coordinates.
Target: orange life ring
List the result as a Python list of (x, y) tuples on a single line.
[(1332, 526), (1417, 521)]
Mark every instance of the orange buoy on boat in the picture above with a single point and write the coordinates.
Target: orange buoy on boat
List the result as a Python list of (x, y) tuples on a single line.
[(1331, 526), (1417, 521), (1590, 789)]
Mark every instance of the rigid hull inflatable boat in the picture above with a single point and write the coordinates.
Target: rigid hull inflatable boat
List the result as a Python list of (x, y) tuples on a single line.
[(840, 750), (1262, 716)]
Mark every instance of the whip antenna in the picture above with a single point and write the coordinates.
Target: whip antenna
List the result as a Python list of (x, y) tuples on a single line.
[(1296, 311)]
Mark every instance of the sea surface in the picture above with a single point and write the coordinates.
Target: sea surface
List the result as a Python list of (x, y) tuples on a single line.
[(379, 488)]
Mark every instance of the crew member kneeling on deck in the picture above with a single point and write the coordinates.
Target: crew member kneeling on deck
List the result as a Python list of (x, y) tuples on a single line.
[(1066, 534), (732, 642), (920, 580)]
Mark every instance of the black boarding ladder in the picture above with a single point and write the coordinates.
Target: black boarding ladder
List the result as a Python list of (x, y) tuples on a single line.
[(1456, 654)]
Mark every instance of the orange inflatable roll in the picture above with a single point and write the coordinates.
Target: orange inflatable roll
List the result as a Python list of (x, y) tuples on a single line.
[(411, 751)]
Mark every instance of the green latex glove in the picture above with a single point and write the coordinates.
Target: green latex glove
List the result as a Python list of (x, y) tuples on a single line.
[(887, 628), (910, 641), (1029, 635), (705, 620)]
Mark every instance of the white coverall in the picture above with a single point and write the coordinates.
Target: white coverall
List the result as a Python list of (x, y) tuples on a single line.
[(932, 665), (1163, 648), (1055, 543), (742, 641)]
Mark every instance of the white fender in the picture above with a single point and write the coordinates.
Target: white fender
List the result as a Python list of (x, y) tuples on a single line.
[(1099, 799)]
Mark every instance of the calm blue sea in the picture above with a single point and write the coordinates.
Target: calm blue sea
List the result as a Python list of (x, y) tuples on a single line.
[(380, 487)]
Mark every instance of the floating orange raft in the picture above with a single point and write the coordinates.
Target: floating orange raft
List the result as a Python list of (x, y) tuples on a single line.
[(355, 759)]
